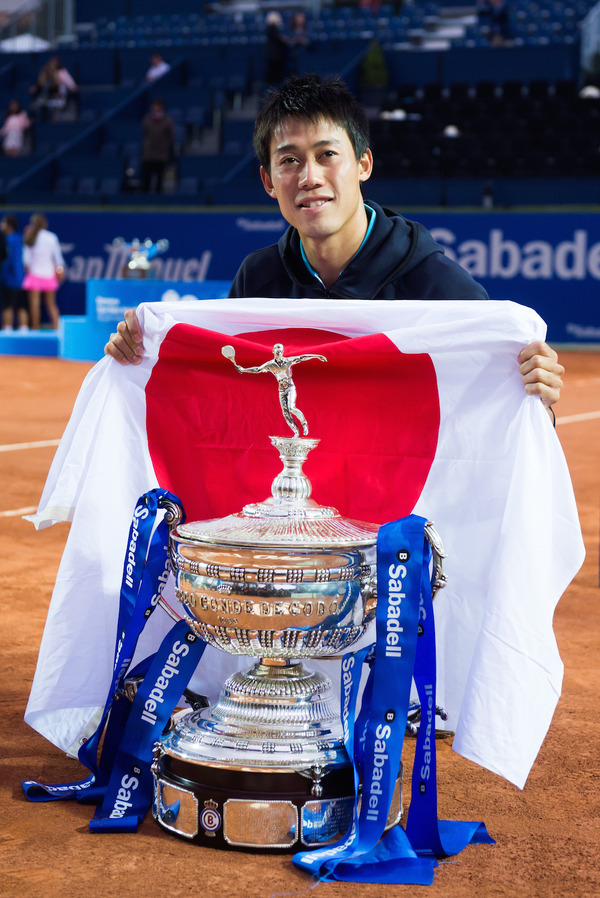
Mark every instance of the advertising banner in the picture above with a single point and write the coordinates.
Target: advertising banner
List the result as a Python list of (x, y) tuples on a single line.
[(548, 261)]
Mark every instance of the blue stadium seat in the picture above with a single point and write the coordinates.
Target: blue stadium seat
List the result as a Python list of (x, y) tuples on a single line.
[(224, 58), (110, 186), (109, 148), (188, 185), (64, 184), (87, 186)]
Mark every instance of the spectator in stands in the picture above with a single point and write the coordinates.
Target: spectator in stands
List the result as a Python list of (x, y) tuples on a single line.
[(297, 40), (276, 50), (494, 18), (298, 33), (13, 130), (14, 298), (158, 132), (312, 142), (158, 67), (483, 13), (53, 87), (44, 270)]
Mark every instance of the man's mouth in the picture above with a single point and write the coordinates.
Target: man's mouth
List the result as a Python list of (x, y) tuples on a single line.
[(314, 203)]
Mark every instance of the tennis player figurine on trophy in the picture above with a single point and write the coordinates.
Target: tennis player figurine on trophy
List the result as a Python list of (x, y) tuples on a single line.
[(284, 580), (281, 367)]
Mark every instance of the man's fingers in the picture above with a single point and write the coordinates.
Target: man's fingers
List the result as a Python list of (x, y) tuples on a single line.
[(120, 350), (537, 348), (539, 356), (113, 350), (545, 383), (541, 372), (548, 394), (542, 363), (126, 344), (133, 325), (122, 347)]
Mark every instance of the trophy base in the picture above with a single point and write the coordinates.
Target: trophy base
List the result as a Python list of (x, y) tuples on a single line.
[(249, 810), (264, 769)]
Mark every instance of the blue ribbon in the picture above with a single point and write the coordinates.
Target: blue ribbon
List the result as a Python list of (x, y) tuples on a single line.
[(129, 791), (427, 834), (404, 645), (130, 729)]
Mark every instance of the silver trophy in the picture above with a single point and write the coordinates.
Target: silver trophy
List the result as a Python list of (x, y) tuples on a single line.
[(141, 254), (283, 580)]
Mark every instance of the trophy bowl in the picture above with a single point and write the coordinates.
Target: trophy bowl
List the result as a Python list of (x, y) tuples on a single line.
[(283, 581)]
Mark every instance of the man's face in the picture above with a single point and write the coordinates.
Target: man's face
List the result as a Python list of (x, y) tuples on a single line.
[(315, 177)]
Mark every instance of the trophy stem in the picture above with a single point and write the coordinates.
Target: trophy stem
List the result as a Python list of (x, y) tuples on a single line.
[(282, 697), (292, 484), (261, 715)]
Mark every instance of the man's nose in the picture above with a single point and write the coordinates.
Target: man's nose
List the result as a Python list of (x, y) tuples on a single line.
[(309, 174)]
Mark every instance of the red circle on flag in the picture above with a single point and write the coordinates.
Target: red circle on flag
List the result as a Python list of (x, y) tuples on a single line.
[(374, 409)]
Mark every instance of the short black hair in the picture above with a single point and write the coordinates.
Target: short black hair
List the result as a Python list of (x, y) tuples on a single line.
[(309, 98), (12, 221)]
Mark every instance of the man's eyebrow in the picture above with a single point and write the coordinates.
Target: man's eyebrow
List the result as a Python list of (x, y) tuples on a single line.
[(293, 147)]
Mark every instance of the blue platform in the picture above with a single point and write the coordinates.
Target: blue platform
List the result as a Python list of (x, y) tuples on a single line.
[(46, 343), (83, 337)]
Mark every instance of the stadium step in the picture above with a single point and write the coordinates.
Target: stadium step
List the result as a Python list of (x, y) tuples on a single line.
[(36, 343)]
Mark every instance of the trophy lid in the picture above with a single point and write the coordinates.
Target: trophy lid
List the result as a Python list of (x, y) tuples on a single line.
[(289, 517), (241, 529)]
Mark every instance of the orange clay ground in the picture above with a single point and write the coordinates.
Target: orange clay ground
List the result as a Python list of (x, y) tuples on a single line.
[(548, 835)]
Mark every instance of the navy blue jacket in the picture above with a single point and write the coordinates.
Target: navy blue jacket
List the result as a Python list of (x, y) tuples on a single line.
[(400, 260)]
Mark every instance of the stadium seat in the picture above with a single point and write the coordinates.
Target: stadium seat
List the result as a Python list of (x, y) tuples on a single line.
[(87, 186), (188, 185), (109, 186), (109, 148), (64, 184), (506, 92)]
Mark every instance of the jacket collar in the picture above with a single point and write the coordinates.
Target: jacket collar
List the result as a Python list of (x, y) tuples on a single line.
[(395, 245)]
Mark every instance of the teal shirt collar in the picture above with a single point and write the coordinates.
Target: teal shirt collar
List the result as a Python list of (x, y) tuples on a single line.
[(370, 215)]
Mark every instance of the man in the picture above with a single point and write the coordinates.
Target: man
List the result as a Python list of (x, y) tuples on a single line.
[(14, 299), (311, 138), (276, 49), (158, 133)]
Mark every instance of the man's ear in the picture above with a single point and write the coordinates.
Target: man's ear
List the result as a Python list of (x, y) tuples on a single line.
[(267, 183), (365, 165)]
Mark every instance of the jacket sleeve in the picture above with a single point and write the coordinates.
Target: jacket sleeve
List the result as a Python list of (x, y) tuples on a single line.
[(237, 289), (439, 277)]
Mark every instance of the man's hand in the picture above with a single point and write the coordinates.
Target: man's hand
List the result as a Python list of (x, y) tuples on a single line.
[(541, 371), (126, 345)]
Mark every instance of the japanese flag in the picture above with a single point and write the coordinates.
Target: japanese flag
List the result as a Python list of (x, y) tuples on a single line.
[(419, 408)]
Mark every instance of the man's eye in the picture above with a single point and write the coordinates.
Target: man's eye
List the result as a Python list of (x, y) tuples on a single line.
[(288, 160)]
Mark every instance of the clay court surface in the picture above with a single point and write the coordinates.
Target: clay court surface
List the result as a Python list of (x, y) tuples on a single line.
[(548, 835)]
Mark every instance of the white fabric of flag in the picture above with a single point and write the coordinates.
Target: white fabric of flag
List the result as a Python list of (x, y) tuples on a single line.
[(498, 491)]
